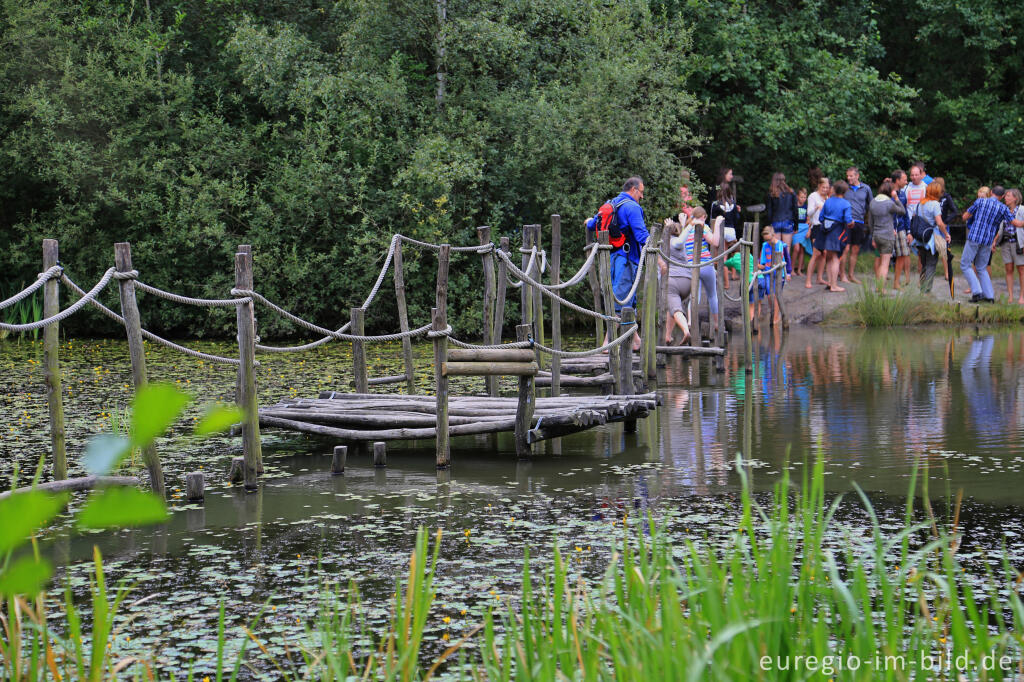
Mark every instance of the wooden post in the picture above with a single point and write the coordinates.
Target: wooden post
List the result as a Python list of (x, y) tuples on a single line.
[(650, 310), (380, 454), (780, 283), (51, 343), (556, 307), (236, 472), (604, 272), (755, 237), (625, 352), (439, 320), (403, 319), (338, 460), (595, 287), (538, 297), (745, 252), (247, 354), (524, 409), (242, 248), (137, 353), (526, 291), (720, 293), (195, 486), (483, 235), (358, 328), (499, 308)]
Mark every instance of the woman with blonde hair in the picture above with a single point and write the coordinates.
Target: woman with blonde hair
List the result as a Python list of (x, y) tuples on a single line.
[(691, 244)]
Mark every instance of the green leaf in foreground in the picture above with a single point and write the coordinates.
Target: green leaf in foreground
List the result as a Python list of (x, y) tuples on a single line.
[(154, 409), (26, 576), (22, 513), (104, 452), (120, 507), (219, 418)]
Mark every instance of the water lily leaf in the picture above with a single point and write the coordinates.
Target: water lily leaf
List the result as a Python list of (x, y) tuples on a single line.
[(104, 452), (26, 576), (154, 409), (219, 418), (121, 507), (22, 513)]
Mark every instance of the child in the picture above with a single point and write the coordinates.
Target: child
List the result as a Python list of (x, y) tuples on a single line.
[(801, 240), (772, 244)]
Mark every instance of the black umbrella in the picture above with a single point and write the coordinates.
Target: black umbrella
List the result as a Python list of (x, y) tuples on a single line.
[(949, 269)]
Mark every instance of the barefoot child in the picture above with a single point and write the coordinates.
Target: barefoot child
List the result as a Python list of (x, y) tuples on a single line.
[(771, 245)]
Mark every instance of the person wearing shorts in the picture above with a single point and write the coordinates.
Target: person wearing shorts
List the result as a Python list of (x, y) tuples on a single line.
[(1012, 243), (836, 218), (882, 212)]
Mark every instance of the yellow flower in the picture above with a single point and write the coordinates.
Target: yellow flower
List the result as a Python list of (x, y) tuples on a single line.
[(446, 620), (445, 636), (462, 612)]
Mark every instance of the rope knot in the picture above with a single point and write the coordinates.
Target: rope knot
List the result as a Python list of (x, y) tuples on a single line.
[(438, 333), (127, 274)]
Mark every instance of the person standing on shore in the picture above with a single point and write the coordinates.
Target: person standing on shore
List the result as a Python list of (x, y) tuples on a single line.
[(901, 247), (782, 209), (881, 214), (915, 194), (859, 197), (1012, 243), (814, 204), (801, 241), (836, 218), (983, 220), (934, 247), (724, 206)]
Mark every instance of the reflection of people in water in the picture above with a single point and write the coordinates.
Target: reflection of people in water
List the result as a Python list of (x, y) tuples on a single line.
[(976, 374)]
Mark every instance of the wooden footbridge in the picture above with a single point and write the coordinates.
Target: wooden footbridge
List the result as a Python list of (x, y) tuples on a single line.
[(621, 375)]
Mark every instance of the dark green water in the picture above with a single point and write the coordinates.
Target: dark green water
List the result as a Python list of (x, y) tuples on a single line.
[(875, 403)]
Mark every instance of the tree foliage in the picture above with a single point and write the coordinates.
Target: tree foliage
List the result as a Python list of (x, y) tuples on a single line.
[(315, 130)]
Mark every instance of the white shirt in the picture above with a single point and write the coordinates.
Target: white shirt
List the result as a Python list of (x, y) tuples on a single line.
[(814, 204)]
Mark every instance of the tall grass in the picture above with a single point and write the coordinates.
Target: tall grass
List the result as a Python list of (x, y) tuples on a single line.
[(875, 309), (22, 312)]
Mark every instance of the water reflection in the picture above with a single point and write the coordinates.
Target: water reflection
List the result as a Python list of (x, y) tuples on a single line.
[(875, 401)]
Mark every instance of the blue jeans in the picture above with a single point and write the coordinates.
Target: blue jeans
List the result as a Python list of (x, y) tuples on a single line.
[(977, 255), (623, 273)]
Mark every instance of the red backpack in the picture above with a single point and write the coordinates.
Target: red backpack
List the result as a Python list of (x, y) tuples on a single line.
[(607, 219)]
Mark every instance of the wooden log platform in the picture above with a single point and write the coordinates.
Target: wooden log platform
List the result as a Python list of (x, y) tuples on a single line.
[(382, 417)]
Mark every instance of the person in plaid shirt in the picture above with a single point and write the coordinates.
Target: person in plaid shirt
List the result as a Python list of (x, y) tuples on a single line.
[(984, 218)]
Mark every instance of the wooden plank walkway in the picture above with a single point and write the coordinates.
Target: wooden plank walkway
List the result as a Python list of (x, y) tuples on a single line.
[(383, 417)]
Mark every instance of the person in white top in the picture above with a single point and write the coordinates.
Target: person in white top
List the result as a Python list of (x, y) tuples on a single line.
[(814, 204)]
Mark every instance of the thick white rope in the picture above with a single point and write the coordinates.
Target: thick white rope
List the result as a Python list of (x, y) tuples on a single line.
[(186, 300), (41, 279), (534, 283), (67, 312), (148, 334)]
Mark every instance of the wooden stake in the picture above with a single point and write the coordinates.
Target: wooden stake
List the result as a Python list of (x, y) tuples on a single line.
[(439, 319), (538, 297), (380, 454), (604, 273), (499, 309), (403, 320), (358, 328), (247, 354), (526, 291), (556, 307), (195, 486), (137, 354), (720, 293), (625, 352), (663, 289), (483, 235), (755, 237), (51, 343), (525, 406), (338, 460), (746, 253), (595, 288)]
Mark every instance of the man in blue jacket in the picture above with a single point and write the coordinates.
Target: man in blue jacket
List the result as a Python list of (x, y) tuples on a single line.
[(859, 196), (626, 259)]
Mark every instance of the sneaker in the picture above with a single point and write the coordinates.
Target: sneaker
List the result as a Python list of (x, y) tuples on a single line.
[(976, 298)]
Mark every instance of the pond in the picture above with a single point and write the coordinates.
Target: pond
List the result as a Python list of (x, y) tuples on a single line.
[(876, 404)]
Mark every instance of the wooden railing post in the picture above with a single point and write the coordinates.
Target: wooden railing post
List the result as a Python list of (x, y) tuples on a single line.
[(358, 328), (137, 353), (625, 351), (595, 288), (538, 297), (483, 235), (777, 286), (439, 322), (403, 319), (650, 310), (51, 343), (604, 273), (720, 294), (525, 406), (663, 291), (746, 252), (556, 307), (246, 321), (755, 237), (526, 291), (499, 305)]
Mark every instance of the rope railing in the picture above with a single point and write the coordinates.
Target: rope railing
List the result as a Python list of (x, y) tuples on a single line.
[(187, 300), (582, 272), (480, 248), (148, 334), (67, 312), (593, 351), (697, 266), (41, 279), (547, 292)]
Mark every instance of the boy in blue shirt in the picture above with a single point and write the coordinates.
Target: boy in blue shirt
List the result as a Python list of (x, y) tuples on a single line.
[(836, 220)]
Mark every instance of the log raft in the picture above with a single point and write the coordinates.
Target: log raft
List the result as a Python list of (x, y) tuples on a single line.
[(367, 417)]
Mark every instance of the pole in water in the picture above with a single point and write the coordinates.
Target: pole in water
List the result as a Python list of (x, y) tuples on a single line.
[(338, 460), (195, 486), (526, 404), (380, 454), (51, 343), (247, 354)]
